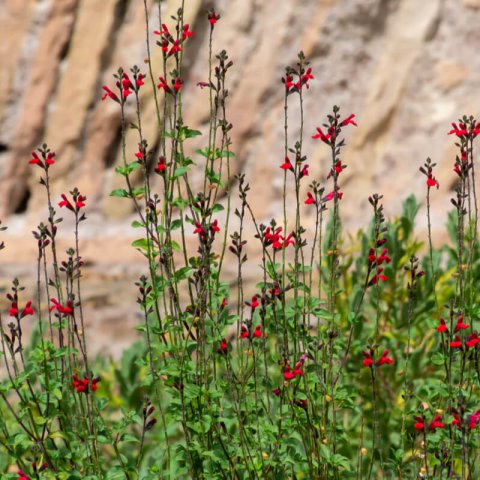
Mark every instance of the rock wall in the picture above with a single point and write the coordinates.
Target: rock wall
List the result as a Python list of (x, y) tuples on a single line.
[(406, 68)]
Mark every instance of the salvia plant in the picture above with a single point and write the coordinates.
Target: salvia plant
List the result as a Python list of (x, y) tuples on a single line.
[(350, 357)]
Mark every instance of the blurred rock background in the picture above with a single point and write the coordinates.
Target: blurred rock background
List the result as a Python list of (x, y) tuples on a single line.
[(406, 68)]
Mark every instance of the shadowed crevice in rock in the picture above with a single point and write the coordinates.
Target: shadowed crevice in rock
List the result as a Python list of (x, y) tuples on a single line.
[(113, 149), (119, 18), (62, 59), (106, 57), (22, 205)]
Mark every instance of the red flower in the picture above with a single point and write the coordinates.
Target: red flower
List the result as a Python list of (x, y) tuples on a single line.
[(288, 374), (177, 84), (35, 160), (456, 420), (22, 475), (277, 244), (384, 359), (223, 347), (78, 199), (66, 203), (459, 132), (187, 33), (304, 171), (289, 240), (175, 48), (127, 85), (474, 419), (223, 304), (384, 257), (244, 333), (274, 292), (460, 325), (199, 229), (213, 17), (163, 84), (214, 227), (442, 328), (270, 237), (276, 392), (297, 371), (164, 31), (13, 312), (94, 383), (64, 310), (419, 424), (257, 333), (378, 276), (139, 80), (332, 195), (371, 256), (80, 202), (310, 199), (281, 242), (288, 81), (436, 423), (473, 340), (83, 385), (49, 159), (28, 310), (349, 121), (254, 303), (286, 165), (108, 93), (161, 166), (301, 403), (337, 169), (432, 181), (368, 360), (304, 79), (324, 137), (457, 343)]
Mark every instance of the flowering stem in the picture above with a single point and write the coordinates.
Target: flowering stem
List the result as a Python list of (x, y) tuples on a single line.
[(430, 248), (375, 420)]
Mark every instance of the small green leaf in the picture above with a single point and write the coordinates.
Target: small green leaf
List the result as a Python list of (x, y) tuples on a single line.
[(189, 133), (217, 208), (119, 192), (180, 171)]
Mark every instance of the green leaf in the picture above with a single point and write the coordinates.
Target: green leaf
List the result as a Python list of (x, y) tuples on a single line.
[(183, 273), (142, 243), (175, 224), (128, 437), (138, 191), (180, 171), (438, 358), (119, 192), (217, 208), (204, 153), (189, 133), (127, 169), (175, 246)]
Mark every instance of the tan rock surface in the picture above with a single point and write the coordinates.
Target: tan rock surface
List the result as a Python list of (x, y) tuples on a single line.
[(406, 68)]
